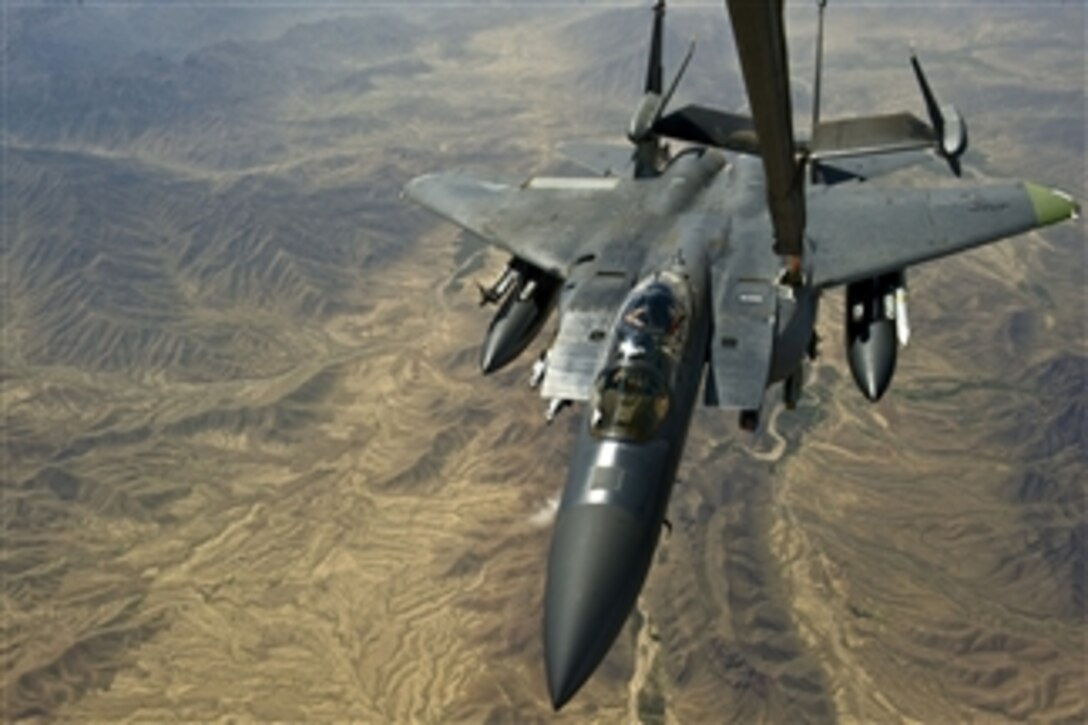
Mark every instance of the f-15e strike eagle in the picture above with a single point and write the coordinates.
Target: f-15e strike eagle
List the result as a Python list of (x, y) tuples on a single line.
[(703, 268)]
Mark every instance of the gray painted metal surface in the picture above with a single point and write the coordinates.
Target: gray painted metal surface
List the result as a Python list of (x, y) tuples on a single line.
[(861, 232), (699, 227)]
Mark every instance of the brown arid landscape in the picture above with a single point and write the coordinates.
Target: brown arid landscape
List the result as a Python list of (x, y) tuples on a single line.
[(250, 470)]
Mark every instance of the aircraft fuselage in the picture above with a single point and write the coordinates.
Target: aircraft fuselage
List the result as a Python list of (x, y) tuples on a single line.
[(662, 265), (622, 471), (619, 482)]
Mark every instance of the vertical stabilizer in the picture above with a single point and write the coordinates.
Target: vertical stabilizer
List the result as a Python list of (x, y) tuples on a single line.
[(817, 83), (654, 81)]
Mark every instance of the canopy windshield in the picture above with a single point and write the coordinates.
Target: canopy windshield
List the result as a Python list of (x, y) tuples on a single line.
[(631, 395)]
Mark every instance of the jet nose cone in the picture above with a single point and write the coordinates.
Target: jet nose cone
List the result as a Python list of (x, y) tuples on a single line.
[(599, 558), (872, 361)]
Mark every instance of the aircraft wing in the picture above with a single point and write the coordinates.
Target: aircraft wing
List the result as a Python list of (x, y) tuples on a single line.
[(543, 220), (857, 232)]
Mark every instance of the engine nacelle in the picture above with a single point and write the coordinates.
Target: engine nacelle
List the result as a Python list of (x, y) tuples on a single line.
[(524, 310), (876, 322)]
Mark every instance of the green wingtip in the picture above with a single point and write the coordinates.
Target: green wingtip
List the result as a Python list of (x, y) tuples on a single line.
[(1051, 206)]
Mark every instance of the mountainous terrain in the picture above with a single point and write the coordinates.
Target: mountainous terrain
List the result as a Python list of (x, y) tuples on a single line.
[(250, 470)]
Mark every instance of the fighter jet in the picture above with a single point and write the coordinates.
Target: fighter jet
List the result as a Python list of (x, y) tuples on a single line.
[(702, 270)]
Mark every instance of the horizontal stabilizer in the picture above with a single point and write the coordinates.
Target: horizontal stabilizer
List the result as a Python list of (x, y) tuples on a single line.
[(869, 135), (709, 126), (600, 158), (871, 166)]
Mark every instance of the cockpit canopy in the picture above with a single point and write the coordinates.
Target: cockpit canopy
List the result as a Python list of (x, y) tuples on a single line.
[(631, 395), (629, 402)]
